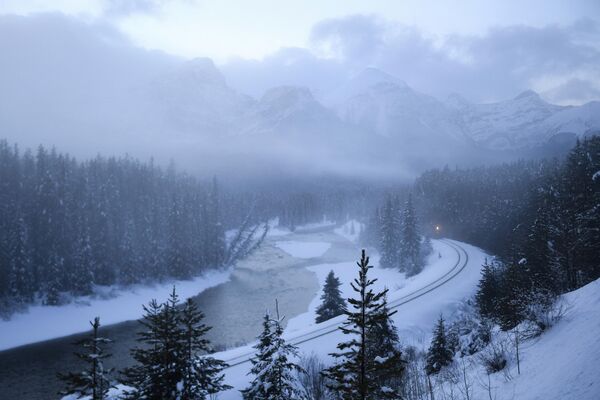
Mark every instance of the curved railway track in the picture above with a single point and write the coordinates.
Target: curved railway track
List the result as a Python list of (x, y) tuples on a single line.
[(457, 268)]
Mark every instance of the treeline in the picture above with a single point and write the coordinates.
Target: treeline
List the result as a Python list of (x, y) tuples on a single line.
[(297, 201), (394, 231), (542, 219), (66, 226)]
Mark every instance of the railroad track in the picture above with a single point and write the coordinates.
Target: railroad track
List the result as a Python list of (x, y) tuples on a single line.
[(459, 266)]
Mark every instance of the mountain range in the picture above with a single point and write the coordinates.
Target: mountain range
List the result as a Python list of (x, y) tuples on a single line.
[(373, 102), (373, 121)]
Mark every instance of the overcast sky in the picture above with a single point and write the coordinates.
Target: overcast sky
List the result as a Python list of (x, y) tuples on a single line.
[(485, 50)]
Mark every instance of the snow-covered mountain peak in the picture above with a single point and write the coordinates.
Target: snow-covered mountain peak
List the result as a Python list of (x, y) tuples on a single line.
[(529, 95), (456, 101), (288, 96), (361, 83), (372, 76), (200, 71), (291, 108)]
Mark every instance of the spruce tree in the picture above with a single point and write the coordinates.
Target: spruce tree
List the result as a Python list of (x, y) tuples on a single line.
[(439, 354), (487, 291), (390, 235), (94, 380), (383, 346), (272, 367), (410, 242), (202, 375), (333, 304), (355, 374), (158, 369), (19, 262), (371, 234), (170, 363)]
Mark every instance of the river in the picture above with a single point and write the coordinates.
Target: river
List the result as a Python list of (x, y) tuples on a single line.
[(234, 309)]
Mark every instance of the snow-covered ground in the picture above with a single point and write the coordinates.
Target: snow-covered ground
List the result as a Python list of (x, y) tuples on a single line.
[(414, 319), (350, 230), (562, 363), (111, 304), (440, 261)]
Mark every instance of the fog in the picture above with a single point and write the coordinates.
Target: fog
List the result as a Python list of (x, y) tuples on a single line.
[(367, 96)]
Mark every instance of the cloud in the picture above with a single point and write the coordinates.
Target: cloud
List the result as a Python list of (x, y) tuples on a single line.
[(288, 66), (493, 66), (70, 83), (127, 7)]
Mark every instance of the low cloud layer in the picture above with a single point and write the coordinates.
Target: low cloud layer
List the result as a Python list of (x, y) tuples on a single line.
[(493, 66)]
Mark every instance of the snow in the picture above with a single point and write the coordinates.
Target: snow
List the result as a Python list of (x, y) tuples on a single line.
[(561, 364), (397, 283), (113, 394), (414, 319), (303, 249), (596, 175), (111, 304), (346, 230)]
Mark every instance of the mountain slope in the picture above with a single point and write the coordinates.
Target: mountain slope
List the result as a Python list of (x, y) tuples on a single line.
[(563, 362)]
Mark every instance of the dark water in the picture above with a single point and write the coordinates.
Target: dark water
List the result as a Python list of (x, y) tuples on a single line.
[(234, 309)]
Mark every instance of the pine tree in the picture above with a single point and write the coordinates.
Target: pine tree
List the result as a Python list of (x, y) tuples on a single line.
[(355, 375), (410, 243), (158, 372), (439, 354), (333, 304), (202, 375), (215, 233), (383, 346), (487, 291), (371, 234), (390, 235), (81, 277), (272, 368), (19, 262), (94, 381), (54, 282), (513, 296), (170, 365)]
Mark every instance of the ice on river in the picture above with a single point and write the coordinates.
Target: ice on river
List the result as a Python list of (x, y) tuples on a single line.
[(111, 304), (303, 249)]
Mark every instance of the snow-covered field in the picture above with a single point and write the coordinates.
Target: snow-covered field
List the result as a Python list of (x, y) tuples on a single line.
[(414, 319), (112, 305)]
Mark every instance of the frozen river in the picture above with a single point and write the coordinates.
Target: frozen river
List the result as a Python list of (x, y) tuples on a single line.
[(277, 271), (234, 309)]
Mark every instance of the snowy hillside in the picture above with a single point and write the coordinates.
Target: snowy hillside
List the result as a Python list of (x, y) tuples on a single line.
[(561, 364)]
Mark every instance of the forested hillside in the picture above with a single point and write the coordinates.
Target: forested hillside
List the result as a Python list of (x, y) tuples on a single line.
[(66, 226), (546, 213)]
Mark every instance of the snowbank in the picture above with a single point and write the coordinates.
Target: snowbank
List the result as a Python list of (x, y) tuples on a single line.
[(115, 305), (562, 363)]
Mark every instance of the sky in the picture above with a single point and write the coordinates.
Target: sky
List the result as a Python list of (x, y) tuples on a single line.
[(485, 50)]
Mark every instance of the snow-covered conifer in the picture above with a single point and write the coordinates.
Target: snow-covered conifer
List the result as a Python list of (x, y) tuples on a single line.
[(273, 368), (439, 353), (333, 304), (94, 381)]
